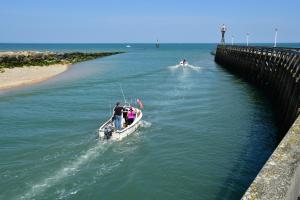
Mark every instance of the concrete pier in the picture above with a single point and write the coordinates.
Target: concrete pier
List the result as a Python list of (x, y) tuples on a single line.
[(277, 72)]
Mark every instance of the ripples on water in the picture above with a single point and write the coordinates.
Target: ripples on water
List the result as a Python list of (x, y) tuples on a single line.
[(205, 133)]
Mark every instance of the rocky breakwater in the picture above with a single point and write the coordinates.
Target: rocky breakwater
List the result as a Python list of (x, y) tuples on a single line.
[(35, 58), (27, 67)]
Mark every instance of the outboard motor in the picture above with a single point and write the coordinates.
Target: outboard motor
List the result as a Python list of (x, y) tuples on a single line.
[(108, 130)]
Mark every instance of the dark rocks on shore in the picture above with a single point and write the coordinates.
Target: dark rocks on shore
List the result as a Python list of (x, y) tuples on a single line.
[(31, 58)]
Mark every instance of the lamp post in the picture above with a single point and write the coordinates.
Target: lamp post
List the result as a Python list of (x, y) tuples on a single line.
[(275, 39), (247, 39), (232, 39)]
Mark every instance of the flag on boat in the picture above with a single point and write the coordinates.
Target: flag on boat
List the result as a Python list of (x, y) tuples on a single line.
[(140, 103)]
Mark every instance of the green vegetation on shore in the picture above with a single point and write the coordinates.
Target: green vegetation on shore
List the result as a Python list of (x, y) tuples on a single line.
[(21, 59)]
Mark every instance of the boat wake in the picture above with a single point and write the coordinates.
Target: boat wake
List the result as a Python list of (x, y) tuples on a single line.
[(66, 171), (102, 169), (145, 124), (196, 68), (188, 66)]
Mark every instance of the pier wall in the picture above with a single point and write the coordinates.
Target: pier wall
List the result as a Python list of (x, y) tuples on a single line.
[(277, 72)]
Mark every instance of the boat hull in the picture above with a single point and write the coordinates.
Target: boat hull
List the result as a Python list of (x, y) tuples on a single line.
[(124, 132)]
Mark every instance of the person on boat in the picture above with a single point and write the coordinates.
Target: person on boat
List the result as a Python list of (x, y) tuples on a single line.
[(125, 115), (118, 115), (130, 116)]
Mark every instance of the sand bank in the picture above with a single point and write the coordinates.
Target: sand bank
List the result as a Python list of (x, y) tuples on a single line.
[(19, 76)]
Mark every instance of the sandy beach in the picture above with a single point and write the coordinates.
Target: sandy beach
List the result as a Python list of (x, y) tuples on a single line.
[(19, 76), (19, 68)]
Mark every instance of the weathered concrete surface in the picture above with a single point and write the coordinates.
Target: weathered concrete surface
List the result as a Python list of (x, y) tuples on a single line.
[(280, 176)]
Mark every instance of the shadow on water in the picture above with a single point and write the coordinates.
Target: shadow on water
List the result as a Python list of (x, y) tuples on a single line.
[(261, 142), (239, 175)]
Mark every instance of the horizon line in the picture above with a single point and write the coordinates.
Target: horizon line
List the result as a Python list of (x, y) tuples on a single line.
[(144, 43)]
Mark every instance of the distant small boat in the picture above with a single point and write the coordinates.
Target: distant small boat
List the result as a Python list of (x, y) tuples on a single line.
[(108, 131), (183, 63), (128, 46)]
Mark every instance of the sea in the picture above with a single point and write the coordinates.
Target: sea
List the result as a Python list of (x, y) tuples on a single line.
[(205, 133)]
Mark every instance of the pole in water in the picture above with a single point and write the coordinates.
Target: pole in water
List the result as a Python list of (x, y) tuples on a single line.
[(232, 39), (157, 44)]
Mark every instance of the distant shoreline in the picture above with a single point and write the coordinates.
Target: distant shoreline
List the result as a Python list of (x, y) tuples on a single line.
[(29, 67)]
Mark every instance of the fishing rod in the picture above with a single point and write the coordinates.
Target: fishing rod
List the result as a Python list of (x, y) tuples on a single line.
[(110, 110), (125, 101)]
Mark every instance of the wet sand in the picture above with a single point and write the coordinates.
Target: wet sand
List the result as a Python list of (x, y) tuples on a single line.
[(19, 76)]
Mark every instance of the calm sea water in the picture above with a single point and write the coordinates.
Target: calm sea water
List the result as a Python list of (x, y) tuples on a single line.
[(205, 134)]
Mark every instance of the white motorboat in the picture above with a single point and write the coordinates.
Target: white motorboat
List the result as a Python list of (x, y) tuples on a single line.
[(108, 131), (183, 63), (128, 46)]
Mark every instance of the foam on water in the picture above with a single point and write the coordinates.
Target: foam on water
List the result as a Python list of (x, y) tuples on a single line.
[(195, 68), (192, 67), (145, 124), (67, 170), (102, 170)]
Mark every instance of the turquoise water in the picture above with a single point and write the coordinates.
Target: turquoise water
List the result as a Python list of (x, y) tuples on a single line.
[(205, 134)]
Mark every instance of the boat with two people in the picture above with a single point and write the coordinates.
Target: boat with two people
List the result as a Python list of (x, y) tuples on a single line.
[(125, 120)]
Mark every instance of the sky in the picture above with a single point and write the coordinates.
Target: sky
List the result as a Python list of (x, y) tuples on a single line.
[(140, 21)]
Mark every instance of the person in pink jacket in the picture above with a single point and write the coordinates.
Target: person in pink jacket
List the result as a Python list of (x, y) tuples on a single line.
[(130, 116)]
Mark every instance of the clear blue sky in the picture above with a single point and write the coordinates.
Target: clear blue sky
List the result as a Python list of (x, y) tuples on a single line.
[(127, 21)]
